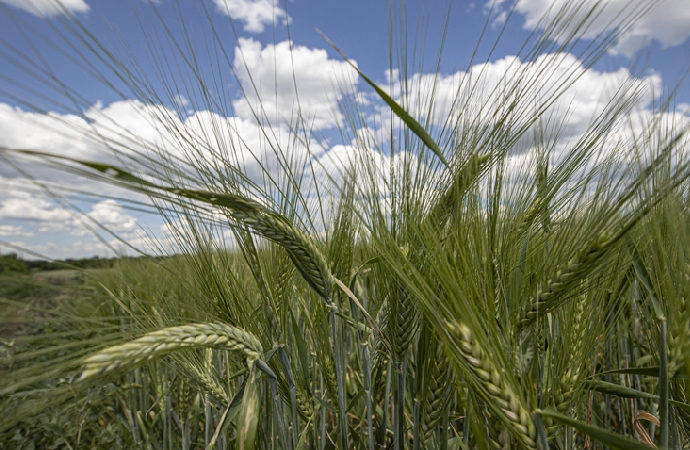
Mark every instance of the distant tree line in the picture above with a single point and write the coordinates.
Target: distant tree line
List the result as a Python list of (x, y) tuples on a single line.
[(12, 263)]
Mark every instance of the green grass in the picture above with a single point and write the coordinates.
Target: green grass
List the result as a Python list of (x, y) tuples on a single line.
[(456, 304)]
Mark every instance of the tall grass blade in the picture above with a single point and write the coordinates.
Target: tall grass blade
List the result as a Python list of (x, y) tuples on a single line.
[(250, 412), (398, 110), (604, 436)]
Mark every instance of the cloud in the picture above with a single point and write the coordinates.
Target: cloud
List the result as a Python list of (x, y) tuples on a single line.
[(13, 230), (477, 95), (271, 77), (667, 22), (213, 140), (181, 101), (60, 133), (120, 125), (110, 214), (25, 207), (48, 216), (49, 8), (254, 13), (470, 102), (152, 133), (128, 127), (131, 126)]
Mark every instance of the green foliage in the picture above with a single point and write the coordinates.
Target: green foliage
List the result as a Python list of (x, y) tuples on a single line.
[(18, 287), (11, 263), (452, 305), (599, 434)]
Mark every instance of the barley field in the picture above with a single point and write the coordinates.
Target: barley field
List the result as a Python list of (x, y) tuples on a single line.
[(484, 283)]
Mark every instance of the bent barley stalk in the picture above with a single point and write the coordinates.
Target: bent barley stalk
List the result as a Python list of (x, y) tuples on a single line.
[(160, 342), (305, 255), (308, 260)]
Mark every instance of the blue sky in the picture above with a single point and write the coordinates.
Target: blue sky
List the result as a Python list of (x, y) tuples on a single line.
[(37, 35)]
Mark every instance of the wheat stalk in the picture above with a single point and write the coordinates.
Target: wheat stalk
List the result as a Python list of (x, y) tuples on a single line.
[(160, 342), (679, 347), (679, 344)]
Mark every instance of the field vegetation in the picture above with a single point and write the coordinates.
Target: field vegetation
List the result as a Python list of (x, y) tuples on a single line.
[(481, 284)]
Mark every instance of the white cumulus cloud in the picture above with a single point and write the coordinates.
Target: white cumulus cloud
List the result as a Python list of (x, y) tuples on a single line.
[(290, 79), (478, 93), (44, 214), (13, 230), (110, 214), (23, 206), (49, 8), (255, 14), (50, 132), (667, 22)]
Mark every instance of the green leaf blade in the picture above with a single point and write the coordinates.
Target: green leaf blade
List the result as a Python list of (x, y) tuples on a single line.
[(398, 110), (614, 440)]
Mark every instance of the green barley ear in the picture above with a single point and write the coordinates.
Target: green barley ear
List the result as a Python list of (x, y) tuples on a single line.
[(553, 293), (438, 390), (679, 347), (462, 181), (498, 393), (550, 294), (161, 342), (307, 258), (679, 341), (571, 377), (380, 355), (304, 254), (208, 384), (403, 318)]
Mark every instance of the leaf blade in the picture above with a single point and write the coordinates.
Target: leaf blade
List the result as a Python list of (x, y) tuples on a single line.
[(612, 439), (399, 111)]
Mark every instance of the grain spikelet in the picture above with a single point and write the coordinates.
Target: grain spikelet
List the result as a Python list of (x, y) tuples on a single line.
[(158, 343), (549, 294), (439, 392), (501, 396), (402, 323), (303, 253), (463, 179)]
